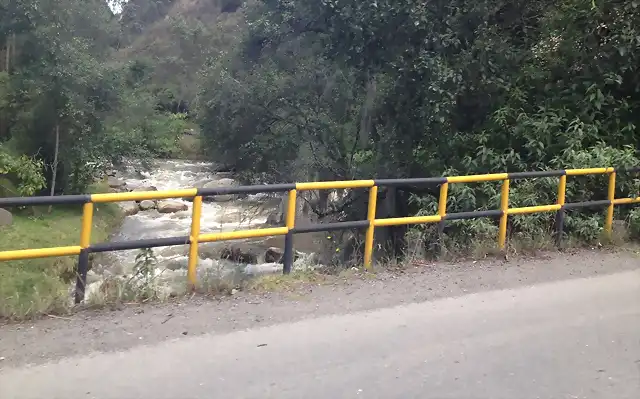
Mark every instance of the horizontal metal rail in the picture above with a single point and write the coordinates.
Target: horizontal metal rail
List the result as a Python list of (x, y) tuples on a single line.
[(289, 230)]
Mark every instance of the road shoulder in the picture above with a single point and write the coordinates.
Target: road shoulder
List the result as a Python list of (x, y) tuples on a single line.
[(85, 332)]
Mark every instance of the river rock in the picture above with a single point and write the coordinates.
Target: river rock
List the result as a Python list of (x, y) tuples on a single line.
[(144, 188), (239, 255), (115, 183), (273, 255), (224, 175), (147, 205), (176, 264), (171, 207), (6, 218), (129, 208), (226, 182)]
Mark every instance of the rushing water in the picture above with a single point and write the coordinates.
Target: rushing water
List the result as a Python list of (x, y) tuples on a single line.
[(249, 212)]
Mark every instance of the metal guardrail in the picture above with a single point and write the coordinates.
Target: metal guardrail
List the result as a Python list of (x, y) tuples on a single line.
[(195, 237)]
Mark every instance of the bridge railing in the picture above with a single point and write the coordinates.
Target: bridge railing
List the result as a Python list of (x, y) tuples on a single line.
[(289, 229)]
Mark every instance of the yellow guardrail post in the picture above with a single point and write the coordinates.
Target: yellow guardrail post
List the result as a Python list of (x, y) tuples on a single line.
[(83, 258), (196, 216), (288, 239), (442, 212), (611, 196), (562, 191), (371, 217), (504, 207)]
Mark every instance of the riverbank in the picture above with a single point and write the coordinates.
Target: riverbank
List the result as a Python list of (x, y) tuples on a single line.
[(31, 288)]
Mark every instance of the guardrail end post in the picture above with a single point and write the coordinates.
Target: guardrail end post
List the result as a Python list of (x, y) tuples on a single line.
[(440, 239), (81, 281), (559, 227), (288, 253)]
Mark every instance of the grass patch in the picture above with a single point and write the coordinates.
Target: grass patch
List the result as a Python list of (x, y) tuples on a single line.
[(30, 288), (286, 283)]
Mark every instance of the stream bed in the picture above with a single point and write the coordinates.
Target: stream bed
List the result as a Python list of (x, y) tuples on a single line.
[(234, 260)]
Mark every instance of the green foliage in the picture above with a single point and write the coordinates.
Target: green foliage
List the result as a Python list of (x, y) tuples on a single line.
[(345, 89), (634, 223), (144, 272), (25, 171)]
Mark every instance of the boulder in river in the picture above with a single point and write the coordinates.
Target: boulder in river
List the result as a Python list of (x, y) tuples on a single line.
[(226, 182), (129, 208), (171, 206), (115, 183), (273, 255), (176, 264), (144, 189), (239, 254), (6, 218), (147, 205)]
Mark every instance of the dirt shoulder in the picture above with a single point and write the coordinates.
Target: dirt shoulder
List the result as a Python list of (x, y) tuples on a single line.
[(85, 332)]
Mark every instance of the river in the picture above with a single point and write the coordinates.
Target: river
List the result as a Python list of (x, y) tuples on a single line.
[(170, 270)]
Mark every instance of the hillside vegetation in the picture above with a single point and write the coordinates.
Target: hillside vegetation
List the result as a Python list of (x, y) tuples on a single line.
[(337, 90)]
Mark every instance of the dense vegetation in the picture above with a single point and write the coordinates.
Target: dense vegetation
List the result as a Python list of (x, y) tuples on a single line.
[(348, 89), (66, 108)]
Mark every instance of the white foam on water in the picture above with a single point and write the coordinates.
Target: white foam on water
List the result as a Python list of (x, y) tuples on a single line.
[(216, 217)]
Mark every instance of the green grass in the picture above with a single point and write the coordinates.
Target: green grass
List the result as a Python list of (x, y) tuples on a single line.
[(31, 288), (289, 282)]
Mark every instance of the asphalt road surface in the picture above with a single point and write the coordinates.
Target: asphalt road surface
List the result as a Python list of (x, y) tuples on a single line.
[(568, 339)]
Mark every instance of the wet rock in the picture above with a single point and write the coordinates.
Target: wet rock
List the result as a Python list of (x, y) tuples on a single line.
[(147, 205), (224, 175), (129, 208), (275, 219), (144, 188), (6, 218), (116, 183), (171, 207), (239, 255), (176, 264), (273, 255), (174, 251), (225, 182)]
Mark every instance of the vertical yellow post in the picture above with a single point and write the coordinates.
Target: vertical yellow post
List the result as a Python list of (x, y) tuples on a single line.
[(290, 219), (504, 207), (196, 215), (371, 217), (562, 190), (611, 195), (87, 224), (442, 202)]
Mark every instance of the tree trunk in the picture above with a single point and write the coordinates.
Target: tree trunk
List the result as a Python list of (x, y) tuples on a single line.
[(367, 112), (13, 48), (55, 164), (7, 54)]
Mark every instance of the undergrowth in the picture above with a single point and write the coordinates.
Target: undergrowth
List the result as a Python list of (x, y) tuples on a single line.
[(30, 288)]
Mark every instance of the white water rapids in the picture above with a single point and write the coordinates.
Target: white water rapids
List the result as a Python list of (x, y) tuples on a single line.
[(239, 214)]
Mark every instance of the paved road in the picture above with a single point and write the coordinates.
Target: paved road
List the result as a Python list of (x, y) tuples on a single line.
[(569, 339)]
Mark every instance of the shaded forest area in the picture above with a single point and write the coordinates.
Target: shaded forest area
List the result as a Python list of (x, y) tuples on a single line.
[(301, 90)]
